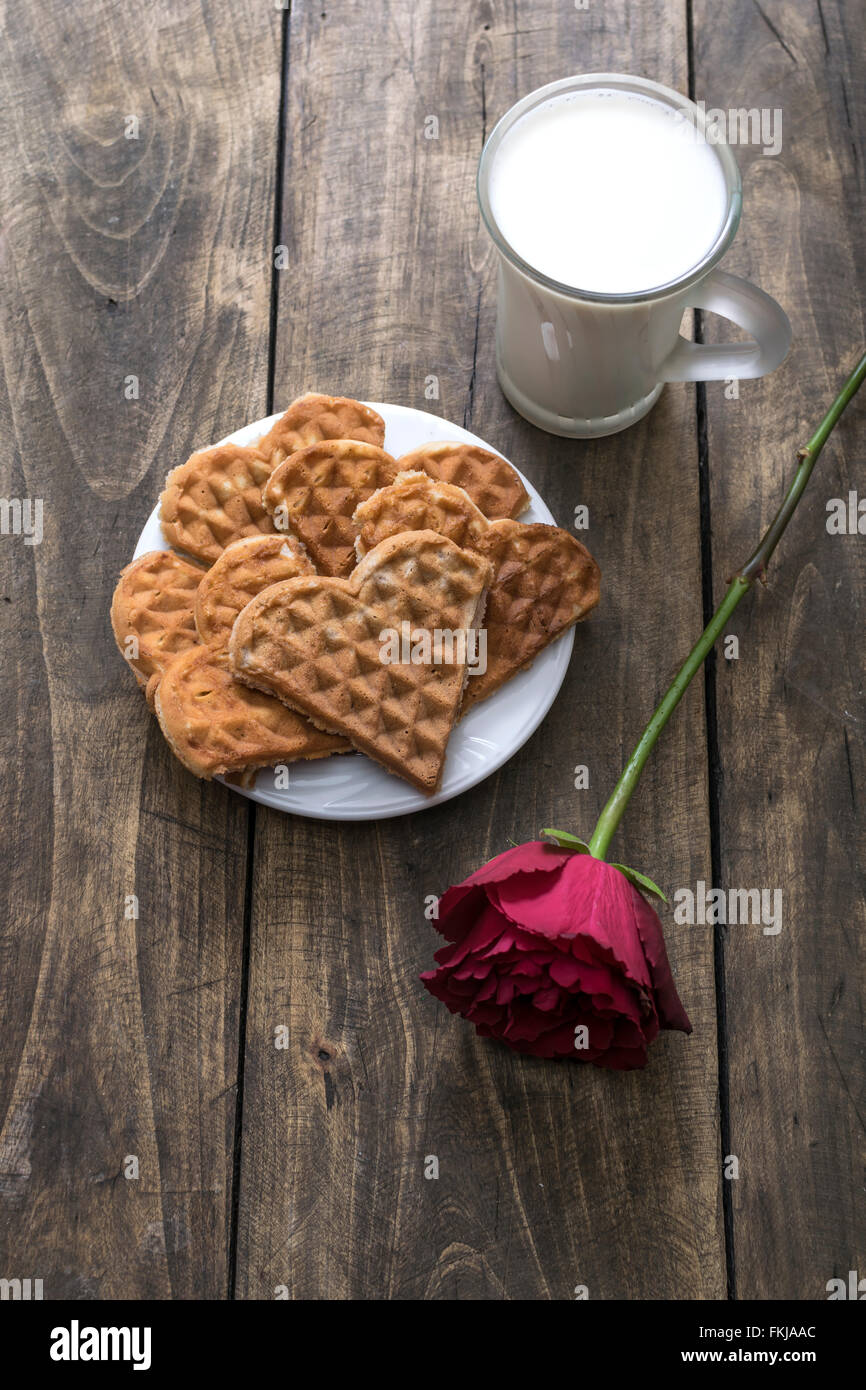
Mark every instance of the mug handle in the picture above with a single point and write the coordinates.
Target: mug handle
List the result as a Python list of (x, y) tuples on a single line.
[(745, 305)]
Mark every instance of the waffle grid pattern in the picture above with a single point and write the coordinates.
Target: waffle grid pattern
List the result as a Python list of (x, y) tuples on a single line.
[(415, 502), (153, 603), (215, 498), (543, 578), (316, 491), (545, 581), (494, 486), (215, 725), (317, 643), (243, 569), (314, 417)]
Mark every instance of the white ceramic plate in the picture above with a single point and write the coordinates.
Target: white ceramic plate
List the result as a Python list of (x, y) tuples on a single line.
[(349, 786)]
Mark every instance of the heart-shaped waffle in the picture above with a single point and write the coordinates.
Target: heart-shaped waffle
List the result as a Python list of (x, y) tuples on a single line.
[(243, 569), (319, 644), (312, 418), (315, 491), (153, 623), (544, 580), (215, 725), (151, 611), (417, 502), (215, 498), (494, 486)]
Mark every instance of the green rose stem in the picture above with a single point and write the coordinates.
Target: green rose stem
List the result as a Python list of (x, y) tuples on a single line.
[(755, 567)]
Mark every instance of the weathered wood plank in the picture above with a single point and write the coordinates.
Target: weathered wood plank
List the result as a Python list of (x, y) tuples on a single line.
[(791, 708), (549, 1176), (146, 257)]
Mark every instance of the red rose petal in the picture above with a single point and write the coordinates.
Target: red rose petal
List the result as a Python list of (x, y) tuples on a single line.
[(544, 941)]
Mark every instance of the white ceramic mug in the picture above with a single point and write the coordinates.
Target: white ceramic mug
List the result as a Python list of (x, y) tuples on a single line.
[(584, 364)]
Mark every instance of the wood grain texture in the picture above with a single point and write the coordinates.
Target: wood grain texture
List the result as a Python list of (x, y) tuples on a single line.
[(151, 257), (792, 712), (550, 1176)]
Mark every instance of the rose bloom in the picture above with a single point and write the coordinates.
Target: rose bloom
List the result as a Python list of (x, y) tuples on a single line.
[(545, 943)]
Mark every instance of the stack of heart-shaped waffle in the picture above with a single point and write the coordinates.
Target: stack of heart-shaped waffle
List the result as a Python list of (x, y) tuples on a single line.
[(316, 564)]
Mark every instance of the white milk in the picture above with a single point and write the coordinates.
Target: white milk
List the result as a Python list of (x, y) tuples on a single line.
[(608, 191)]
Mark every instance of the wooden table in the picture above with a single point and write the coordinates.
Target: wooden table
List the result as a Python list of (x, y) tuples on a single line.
[(152, 159)]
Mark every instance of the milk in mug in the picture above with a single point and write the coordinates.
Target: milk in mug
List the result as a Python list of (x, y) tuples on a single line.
[(608, 191), (610, 210)]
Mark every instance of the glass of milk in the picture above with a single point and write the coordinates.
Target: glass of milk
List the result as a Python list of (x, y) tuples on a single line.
[(611, 210)]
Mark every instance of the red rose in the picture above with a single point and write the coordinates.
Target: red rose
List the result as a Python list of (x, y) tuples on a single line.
[(546, 942)]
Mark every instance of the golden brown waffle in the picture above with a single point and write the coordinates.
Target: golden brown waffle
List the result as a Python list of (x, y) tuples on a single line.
[(243, 569), (215, 498), (416, 502), (544, 580), (152, 611), (317, 643), (152, 615), (312, 418), (215, 725), (494, 486), (315, 491)]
